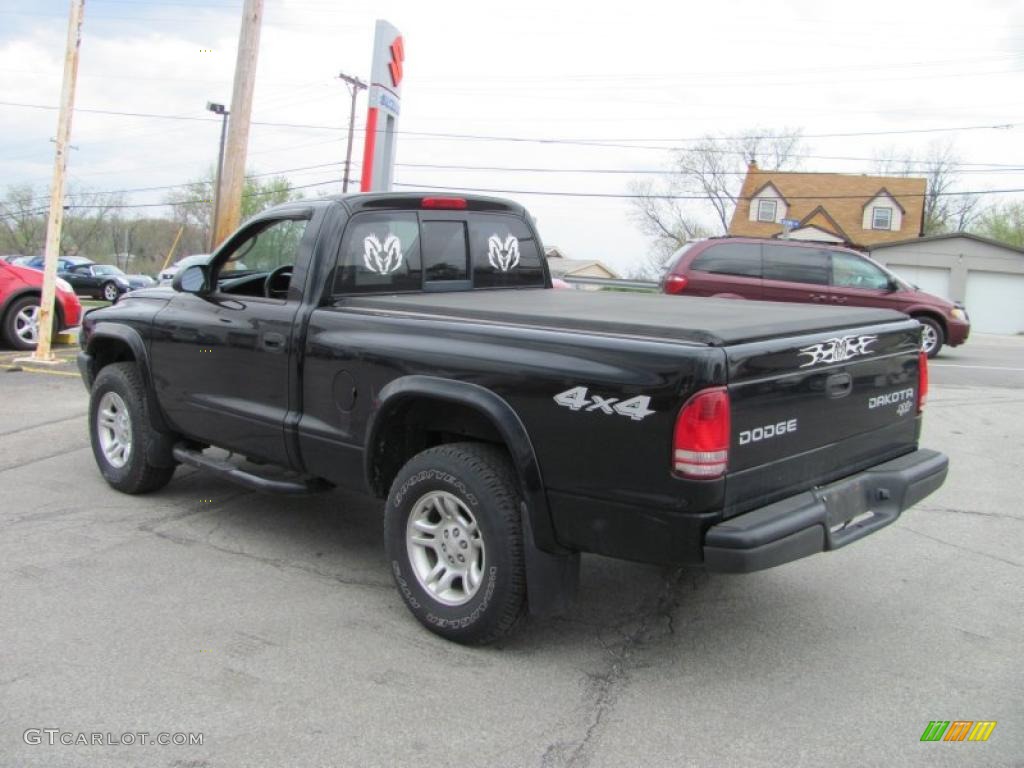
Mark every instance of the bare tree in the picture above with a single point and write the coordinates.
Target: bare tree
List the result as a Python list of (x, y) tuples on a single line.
[(708, 177), (944, 209)]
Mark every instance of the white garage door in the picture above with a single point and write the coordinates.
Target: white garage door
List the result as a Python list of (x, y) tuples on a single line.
[(995, 302), (933, 280)]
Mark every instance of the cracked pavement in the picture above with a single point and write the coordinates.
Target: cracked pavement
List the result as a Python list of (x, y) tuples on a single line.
[(270, 624)]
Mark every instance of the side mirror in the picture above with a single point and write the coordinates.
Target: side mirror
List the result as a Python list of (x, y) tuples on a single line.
[(893, 286), (191, 280)]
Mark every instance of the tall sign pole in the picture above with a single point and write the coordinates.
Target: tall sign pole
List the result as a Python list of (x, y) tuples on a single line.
[(43, 352), (233, 181), (384, 106)]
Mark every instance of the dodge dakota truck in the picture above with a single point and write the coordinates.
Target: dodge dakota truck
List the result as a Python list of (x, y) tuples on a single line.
[(412, 347)]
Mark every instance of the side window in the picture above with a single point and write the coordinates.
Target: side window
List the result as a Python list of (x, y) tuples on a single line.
[(742, 259), (380, 253), (503, 252), (796, 265), (271, 246), (851, 271), (445, 251)]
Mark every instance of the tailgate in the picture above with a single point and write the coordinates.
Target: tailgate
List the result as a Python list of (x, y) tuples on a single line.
[(809, 410)]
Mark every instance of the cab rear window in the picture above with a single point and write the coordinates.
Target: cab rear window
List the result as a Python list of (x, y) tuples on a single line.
[(401, 251)]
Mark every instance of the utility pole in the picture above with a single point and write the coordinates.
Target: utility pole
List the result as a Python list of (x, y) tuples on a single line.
[(354, 86), (43, 353), (218, 109), (229, 214)]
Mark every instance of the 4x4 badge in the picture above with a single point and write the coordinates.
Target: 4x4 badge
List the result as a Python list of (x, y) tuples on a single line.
[(838, 349)]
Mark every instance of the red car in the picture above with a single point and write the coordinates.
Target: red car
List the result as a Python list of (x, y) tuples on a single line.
[(780, 270), (20, 290)]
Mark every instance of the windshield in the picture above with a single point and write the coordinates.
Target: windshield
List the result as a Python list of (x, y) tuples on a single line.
[(106, 270)]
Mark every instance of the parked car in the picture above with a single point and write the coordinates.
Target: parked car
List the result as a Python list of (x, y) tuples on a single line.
[(103, 281), (20, 290), (778, 270), (414, 348)]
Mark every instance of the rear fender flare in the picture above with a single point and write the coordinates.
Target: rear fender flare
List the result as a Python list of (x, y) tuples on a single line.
[(500, 414)]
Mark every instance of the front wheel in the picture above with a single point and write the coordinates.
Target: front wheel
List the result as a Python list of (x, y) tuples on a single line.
[(121, 433), (111, 291), (453, 536), (932, 336)]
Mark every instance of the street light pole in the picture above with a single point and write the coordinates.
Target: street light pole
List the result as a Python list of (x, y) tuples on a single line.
[(218, 109), (354, 86)]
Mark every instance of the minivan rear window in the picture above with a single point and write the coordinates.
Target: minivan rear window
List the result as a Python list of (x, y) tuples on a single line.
[(743, 259)]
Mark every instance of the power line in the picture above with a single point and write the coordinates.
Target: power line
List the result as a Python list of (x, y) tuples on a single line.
[(599, 143), (633, 196)]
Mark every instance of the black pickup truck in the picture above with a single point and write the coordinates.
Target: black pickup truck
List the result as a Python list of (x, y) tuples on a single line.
[(413, 347)]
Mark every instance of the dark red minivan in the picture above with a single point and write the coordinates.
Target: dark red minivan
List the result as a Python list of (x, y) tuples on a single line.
[(782, 270)]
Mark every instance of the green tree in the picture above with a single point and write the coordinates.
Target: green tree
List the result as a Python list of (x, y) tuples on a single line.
[(1004, 223), (192, 203)]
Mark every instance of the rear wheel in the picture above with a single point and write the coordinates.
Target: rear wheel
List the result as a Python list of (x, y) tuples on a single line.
[(932, 337), (453, 536), (121, 433), (21, 323)]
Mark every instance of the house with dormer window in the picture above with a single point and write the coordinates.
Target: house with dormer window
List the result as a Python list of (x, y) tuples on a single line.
[(844, 209)]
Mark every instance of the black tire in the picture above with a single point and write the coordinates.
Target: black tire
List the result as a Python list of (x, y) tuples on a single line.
[(109, 292), (932, 336), (137, 475), (480, 476)]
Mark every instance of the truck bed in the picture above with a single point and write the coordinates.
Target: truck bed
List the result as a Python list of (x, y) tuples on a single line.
[(713, 322)]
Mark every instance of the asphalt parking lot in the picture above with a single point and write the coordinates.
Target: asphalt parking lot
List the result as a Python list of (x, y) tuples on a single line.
[(270, 625)]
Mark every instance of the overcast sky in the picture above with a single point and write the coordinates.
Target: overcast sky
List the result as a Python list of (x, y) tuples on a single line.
[(643, 74)]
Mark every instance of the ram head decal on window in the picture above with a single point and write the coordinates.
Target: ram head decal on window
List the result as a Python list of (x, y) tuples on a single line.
[(382, 259)]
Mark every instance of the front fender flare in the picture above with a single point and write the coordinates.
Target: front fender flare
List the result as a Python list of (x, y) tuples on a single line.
[(105, 331)]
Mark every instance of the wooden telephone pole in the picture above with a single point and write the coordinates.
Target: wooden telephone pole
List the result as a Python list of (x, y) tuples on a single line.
[(43, 354), (232, 183)]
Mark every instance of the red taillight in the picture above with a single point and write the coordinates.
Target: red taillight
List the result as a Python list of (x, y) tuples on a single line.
[(675, 283), (700, 449), (922, 381), (444, 203)]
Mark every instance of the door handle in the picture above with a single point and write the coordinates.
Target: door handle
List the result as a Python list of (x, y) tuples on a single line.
[(838, 299), (273, 342), (838, 385), (817, 296)]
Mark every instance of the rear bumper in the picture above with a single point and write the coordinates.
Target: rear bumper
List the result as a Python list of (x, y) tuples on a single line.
[(825, 518)]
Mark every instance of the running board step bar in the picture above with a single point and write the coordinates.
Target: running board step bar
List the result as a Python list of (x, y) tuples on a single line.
[(235, 474)]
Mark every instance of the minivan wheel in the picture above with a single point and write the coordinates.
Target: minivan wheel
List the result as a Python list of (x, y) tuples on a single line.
[(932, 336), (453, 537)]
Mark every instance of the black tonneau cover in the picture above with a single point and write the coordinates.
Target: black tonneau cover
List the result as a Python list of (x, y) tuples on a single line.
[(716, 322)]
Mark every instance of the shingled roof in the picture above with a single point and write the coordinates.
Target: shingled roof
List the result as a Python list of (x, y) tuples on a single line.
[(833, 202)]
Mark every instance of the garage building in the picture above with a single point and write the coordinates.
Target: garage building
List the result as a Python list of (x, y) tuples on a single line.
[(986, 275)]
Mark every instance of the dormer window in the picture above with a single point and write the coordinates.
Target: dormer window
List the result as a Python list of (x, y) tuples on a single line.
[(881, 218), (767, 210)]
